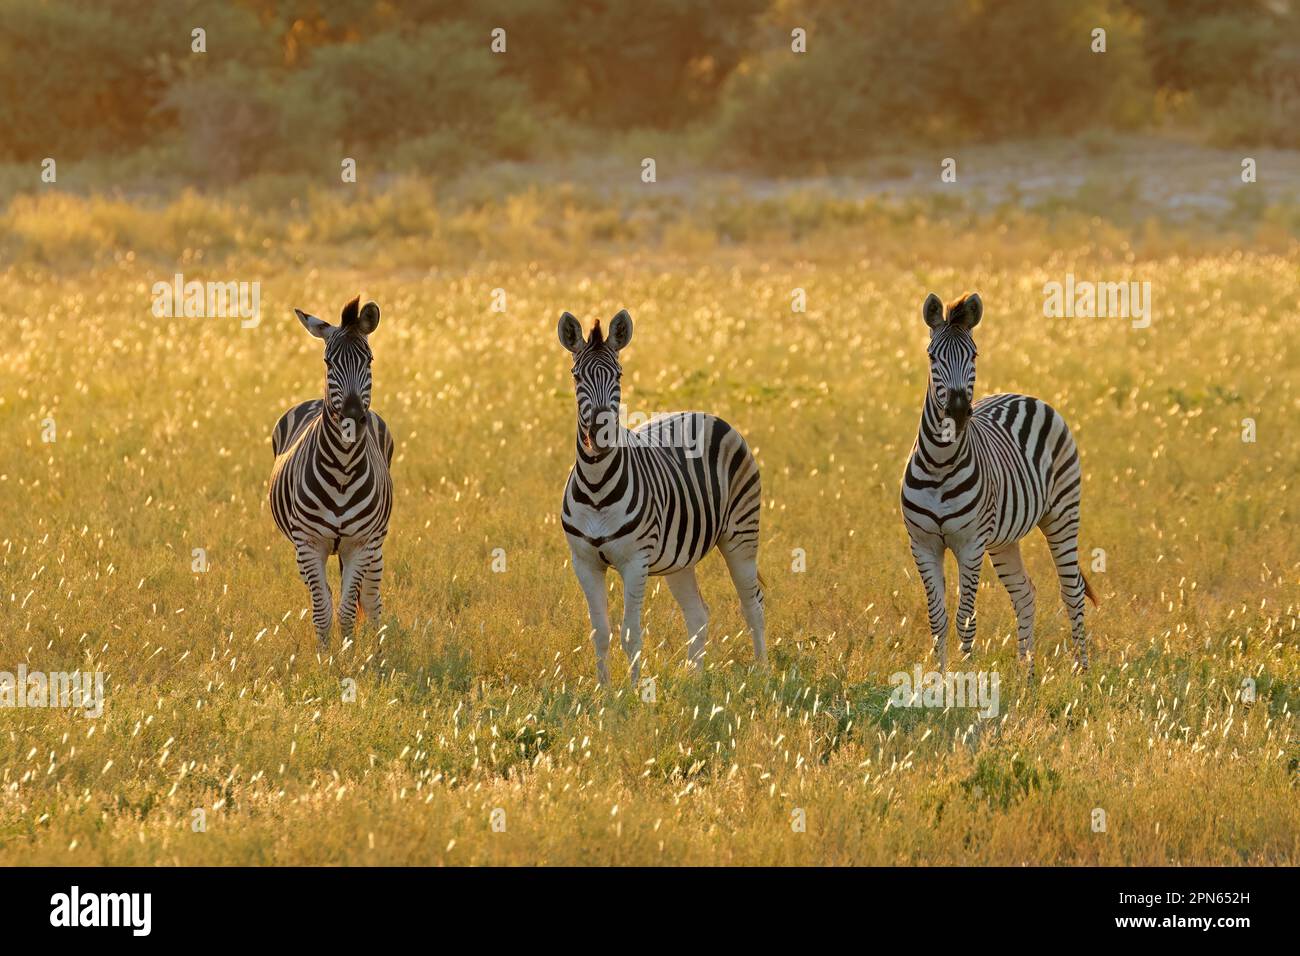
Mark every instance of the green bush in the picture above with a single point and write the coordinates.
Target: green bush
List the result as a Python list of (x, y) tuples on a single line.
[(91, 77), (950, 70), (230, 120), (1247, 120), (293, 86), (435, 96), (624, 64), (74, 82), (399, 84)]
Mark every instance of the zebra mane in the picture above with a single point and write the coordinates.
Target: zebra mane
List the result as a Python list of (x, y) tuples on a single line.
[(597, 337), (350, 312), (965, 313), (956, 307)]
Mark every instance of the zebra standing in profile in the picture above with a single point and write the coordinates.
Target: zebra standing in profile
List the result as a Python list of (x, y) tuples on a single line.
[(654, 501), (331, 492), (981, 478)]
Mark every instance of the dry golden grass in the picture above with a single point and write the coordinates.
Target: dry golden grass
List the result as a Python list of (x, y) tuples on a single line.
[(477, 691)]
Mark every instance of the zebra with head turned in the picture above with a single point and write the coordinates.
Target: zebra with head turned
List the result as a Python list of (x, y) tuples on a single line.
[(983, 476), (331, 492), (654, 501)]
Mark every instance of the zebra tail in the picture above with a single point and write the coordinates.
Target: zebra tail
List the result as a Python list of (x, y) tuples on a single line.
[(1087, 590)]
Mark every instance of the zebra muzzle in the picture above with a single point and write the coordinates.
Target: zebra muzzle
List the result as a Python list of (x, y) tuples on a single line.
[(958, 409)]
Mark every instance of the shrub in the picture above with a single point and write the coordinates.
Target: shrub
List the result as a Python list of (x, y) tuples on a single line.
[(439, 79), (948, 70), (74, 81)]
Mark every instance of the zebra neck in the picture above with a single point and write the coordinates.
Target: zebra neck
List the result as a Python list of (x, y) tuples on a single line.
[(333, 445), (594, 468), (933, 454)]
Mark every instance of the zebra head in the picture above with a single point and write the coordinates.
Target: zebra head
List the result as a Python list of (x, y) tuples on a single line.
[(596, 374), (952, 354), (347, 361)]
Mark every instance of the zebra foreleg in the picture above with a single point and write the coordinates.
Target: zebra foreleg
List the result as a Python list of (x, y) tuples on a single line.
[(634, 584), (929, 565), (592, 579), (1010, 567), (969, 564), (686, 590), (312, 556), (372, 605), (355, 559)]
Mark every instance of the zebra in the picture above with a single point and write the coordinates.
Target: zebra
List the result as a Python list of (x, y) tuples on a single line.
[(654, 501), (979, 479), (331, 491)]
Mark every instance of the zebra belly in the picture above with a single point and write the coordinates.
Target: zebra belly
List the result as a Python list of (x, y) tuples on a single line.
[(609, 537), (617, 553), (629, 551), (1007, 529)]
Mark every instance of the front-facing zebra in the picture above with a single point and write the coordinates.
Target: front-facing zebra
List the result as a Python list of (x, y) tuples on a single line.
[(982, 477), (331, 492), (654, 501)]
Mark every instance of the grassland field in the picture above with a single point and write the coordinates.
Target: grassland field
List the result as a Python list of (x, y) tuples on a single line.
[(476, 691)]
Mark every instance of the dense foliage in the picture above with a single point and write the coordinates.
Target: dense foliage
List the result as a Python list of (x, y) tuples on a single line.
[(286, 85)]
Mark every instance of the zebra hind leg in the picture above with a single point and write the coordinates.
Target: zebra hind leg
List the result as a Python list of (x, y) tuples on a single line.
[(1062, 532), (1010, 568), (742, 563), (686, 590), (311, 566)]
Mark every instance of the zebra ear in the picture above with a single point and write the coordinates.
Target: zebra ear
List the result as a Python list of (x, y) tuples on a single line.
[(932, 311), (367, 319), (317, 327), (620, 330), (966, 312), (570, 332)]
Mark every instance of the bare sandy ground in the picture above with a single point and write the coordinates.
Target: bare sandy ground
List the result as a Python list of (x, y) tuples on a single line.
[(1163, 175)]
